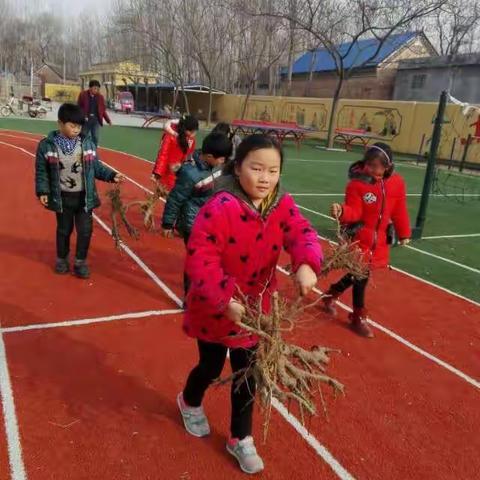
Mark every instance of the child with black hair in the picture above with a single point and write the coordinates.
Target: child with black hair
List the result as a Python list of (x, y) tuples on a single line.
[(375, 201), (195, 184), (65, 171), (174, 150), (222, 127), (234, 246)]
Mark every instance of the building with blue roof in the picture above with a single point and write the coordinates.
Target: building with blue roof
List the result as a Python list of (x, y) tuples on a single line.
[(371, 70)]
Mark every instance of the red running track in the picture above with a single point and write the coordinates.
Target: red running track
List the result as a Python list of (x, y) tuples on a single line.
[(403, 416)]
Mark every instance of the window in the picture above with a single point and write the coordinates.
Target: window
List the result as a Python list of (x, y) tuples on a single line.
[(418, 81)]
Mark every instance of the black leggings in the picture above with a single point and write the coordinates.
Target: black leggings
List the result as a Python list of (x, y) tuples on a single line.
[(209, 368), (74, 214), (358, 291)]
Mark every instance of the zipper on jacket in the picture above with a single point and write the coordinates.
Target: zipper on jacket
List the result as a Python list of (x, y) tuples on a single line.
[(380, 218), (84, 179), (58, 171)]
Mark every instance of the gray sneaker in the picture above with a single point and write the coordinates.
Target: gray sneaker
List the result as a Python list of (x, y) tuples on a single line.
[(246, 454), (194, 418), (62, 266), (80, 269)]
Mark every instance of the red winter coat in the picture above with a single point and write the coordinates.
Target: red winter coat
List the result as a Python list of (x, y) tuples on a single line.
[(170, 158), (84, 104), (232, 246), (375, 203)]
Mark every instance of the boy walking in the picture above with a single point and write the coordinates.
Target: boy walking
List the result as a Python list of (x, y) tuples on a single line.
[(65, 171)]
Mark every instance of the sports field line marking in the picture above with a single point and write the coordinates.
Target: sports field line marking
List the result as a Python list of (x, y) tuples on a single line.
[(467, 235), (141, 264), (396, 336), (405, 342), (17, 467), (123, 246), (438, 257), (312, 441), (396, 269), (89, 321), (447, 260), (322, 452), (408, 194)]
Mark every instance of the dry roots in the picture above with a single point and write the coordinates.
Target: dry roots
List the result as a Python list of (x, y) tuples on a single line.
[(119, 209), (148, 205), (282, 370), (344, 255)]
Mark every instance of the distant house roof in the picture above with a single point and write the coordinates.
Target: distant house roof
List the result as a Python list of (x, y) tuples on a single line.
[(360, 52), (56, 69), (444, 61)]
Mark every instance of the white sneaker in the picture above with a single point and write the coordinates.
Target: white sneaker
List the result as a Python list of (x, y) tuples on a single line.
[(194, 418), (246, 454)]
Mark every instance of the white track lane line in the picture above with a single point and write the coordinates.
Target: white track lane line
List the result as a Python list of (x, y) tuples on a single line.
[(15, 456), (89, 321)]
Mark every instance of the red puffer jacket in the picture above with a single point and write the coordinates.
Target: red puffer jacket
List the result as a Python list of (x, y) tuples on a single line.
[(233, 247), (376, 204), (170, 158)]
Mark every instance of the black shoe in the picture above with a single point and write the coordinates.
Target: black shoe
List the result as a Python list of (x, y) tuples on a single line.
[(62, 266), (81, 270)]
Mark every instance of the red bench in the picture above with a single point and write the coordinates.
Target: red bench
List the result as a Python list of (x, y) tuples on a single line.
[(349, 135), (280, 130)]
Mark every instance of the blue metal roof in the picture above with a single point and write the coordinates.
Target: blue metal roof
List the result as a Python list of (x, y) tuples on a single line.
[(361, 51)]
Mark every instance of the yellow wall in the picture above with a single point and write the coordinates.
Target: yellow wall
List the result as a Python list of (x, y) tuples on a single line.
[(62, 93), (400, 124)]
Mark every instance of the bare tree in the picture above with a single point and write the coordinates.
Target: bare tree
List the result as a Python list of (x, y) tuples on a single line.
[(334, 24), (205, 26), (456, 26)]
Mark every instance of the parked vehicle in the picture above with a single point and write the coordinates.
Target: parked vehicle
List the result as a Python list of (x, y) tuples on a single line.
[(124, 102)]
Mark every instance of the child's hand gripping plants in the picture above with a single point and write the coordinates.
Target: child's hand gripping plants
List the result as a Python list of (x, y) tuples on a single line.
[(282, 370)]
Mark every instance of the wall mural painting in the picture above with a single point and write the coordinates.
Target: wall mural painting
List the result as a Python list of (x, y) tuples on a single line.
[(261, 111), (313, 116), (384, 123)]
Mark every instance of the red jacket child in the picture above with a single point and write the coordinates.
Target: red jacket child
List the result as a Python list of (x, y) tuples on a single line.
[(171, 155), (375, 200), (375, 203), (231, 249)]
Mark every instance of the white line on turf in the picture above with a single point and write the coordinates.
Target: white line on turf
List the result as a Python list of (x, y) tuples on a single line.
[(396, 269), (88, 321), (441, 237), (322, 452), (17, 467), (405, 342), (408, 195), (438, 257), (446, 260)]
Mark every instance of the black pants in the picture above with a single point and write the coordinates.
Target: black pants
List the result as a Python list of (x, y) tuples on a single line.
[(74, 214), (358, 291), (209, 368)]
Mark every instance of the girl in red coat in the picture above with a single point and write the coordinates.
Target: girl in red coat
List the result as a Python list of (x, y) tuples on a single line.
[(174, 150), (234, 246), (375, 202)]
